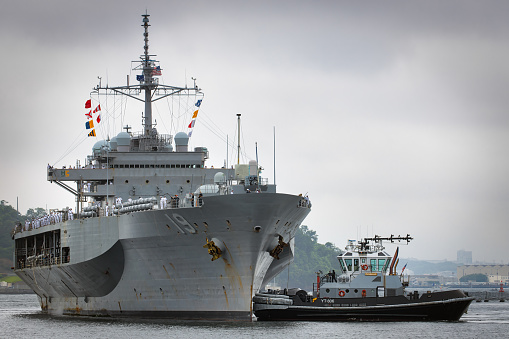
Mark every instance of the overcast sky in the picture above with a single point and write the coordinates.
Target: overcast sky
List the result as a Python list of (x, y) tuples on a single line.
[(391, 115)]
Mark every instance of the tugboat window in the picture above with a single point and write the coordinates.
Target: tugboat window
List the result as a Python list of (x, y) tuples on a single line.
[(356, 264), (381, 263), (342, 264), (348, 264), (373, 265), (386, 265)]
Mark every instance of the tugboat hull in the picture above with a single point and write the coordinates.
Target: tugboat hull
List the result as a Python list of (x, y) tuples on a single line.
[(440, 310)]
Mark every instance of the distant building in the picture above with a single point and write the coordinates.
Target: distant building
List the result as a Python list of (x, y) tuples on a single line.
[(464, 257), (430, 280), (495, 273)]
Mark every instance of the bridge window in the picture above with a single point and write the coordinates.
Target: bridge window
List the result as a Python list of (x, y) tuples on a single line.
[(348, 263), (342, 264)]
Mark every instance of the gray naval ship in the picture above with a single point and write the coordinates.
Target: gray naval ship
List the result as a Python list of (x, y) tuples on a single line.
[(155, 233)]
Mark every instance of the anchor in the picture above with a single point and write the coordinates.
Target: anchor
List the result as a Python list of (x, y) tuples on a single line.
[(213, 249), (278, 249)]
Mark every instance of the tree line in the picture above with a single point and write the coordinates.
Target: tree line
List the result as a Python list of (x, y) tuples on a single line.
[(8, 218)]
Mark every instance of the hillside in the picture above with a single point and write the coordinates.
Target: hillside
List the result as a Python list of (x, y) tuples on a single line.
[(8, 217), (310, 257)]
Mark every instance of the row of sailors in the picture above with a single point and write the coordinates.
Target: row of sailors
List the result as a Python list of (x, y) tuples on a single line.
[(56, 217), (174, 202), (48, 219)]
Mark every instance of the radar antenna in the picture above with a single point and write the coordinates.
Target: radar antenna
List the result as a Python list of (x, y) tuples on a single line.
[(378, 239)]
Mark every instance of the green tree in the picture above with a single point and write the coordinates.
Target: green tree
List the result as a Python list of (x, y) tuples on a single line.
[(8, 218), (35, 213), (309, 257)]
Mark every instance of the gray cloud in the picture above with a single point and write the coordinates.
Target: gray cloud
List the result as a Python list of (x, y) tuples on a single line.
[(392, 115)]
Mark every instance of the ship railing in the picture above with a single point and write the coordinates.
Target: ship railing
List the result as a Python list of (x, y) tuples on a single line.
[(174, 202), (405, 280), (38, 261), (304, 202), (36, 223), (185, 203), (328, 278)]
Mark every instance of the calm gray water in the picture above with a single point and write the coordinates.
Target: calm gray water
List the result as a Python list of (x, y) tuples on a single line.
[(20, 317)]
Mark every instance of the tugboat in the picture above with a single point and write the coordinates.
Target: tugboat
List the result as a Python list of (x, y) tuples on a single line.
[(367, 289)]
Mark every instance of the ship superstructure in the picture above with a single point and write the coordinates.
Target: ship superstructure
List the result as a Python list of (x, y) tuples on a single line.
[(154, 232)]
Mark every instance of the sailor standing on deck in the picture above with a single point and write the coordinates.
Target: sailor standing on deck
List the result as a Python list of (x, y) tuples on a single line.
[(71, 217)]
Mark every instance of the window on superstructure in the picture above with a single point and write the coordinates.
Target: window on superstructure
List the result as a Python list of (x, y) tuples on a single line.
[(387, 265), (342, 264), (348, 263), (356, 264), (373, 265), (381, 263), (136, 166)]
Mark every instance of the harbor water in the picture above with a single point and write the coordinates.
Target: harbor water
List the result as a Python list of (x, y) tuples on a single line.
[(21, 317)]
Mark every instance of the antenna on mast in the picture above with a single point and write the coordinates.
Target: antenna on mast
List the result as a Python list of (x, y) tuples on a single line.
[(148, 84), (238, 143)]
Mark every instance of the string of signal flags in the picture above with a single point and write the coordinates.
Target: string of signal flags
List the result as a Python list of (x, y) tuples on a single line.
[(91, 117)]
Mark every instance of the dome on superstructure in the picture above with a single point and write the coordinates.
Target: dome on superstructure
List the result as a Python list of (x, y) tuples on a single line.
[(99, 145), (219, 178), (181, 139), (168, 148), (123, 139), (113, 143)]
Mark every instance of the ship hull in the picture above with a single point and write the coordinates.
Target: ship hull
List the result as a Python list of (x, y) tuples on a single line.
[(155, 263), (446, 308)]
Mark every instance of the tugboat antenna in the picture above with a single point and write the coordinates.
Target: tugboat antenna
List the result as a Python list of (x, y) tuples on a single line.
[(363, 243)]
